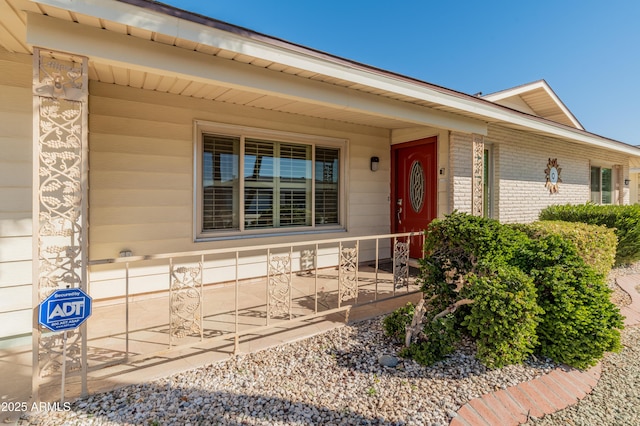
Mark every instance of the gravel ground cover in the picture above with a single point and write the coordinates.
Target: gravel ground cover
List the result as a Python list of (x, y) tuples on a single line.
[(333, 378), (336, 378)]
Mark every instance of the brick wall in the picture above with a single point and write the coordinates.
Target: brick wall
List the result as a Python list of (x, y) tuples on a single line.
[(519, 161), (460, 156)]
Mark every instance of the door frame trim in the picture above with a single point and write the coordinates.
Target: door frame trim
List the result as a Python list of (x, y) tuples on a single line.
[(394, 154)]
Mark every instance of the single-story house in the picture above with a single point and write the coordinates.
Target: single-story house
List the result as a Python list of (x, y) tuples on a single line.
[(133, 128)]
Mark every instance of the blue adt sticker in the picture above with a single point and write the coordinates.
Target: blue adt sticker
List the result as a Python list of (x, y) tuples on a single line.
[(64, 309)]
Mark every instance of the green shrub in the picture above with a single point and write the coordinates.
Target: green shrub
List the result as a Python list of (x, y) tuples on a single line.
[(625, 220), (440, 337), (504, 315), (580, 323), (455, 245), (515, 292), (395, 324), (596, 244)]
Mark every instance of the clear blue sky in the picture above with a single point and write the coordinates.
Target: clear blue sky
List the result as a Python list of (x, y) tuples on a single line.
[(588, 51)]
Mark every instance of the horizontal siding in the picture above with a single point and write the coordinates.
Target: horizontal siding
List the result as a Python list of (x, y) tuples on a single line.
[(20, 201), (16, 174), (13, 249), (15, 298), (15, 273), (12, 225), (141, 169), (16, 124), (15, 323), (15, 70), (13, 98)]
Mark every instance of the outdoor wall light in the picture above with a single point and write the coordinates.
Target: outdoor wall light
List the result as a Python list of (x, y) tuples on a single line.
[(627, 181), (375, 162), (125, 253)]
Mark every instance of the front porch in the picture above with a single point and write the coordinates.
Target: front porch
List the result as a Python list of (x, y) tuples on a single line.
[(278, 293)]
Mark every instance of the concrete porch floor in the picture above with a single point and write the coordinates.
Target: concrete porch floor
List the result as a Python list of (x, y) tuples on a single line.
[(149, 353)]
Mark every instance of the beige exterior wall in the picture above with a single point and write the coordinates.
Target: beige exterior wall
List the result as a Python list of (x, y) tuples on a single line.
[(15, 194), (141, 179)]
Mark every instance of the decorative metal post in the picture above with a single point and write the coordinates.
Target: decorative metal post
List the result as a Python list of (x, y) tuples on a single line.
[(60, 158), (477, 184)]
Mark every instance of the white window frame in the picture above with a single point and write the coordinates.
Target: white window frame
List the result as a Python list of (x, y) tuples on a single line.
[(243, 132), (601, 166), (488, 204)]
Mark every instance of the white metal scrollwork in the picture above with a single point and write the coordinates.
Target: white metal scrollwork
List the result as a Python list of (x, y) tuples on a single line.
[(185, 301), (348, 274), (59, 216), (401, 264), (279, 285)]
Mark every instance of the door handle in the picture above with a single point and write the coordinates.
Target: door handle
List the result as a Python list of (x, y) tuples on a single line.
[(399, 211)]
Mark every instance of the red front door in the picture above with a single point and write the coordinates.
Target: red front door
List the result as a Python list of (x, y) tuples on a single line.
[(414, 190)]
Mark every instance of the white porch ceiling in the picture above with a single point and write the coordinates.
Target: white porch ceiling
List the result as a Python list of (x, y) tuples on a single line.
[(13, 37)]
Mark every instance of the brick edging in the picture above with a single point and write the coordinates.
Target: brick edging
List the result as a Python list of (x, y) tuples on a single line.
[(546, 394)]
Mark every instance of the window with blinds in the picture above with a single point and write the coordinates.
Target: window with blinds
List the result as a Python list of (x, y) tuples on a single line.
[(276, 188), (327, 186), (220, 182)]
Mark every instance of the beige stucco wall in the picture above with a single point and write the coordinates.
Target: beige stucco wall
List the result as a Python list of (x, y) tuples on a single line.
[(519, 161), (15, 194)]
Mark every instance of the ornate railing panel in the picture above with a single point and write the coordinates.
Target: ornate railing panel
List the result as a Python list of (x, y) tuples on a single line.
[(348, 274), (185, 301), (401, 264), (279, 285), (59, 209)]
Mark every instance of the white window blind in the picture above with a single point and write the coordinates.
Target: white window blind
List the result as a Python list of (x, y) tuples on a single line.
[(327, 186), (273, 189)]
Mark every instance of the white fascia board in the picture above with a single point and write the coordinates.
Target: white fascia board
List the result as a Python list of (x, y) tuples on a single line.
[(504, 94), (144, 55)]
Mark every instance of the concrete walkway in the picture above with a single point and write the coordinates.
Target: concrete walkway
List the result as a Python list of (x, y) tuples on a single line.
[(547, 394)]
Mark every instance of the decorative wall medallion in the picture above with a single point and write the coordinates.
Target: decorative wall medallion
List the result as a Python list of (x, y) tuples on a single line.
[(552, 173)]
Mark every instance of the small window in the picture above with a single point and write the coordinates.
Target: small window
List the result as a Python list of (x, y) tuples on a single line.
[(248, 183), (601, 185)]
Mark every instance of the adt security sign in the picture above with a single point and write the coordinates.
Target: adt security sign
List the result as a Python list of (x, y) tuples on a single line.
[(64, 309)]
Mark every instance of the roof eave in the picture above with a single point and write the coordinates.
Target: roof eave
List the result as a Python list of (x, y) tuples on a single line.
[(188, 25)]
